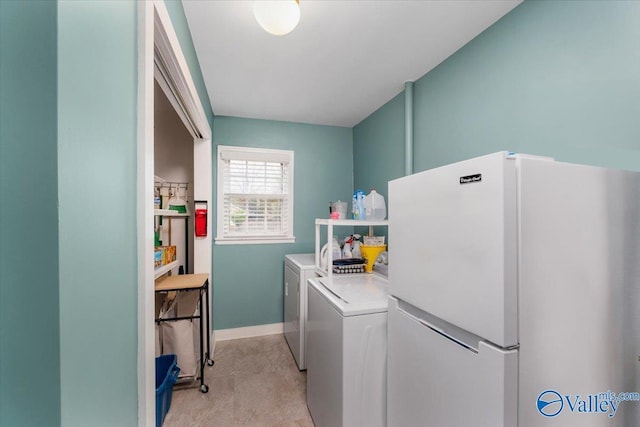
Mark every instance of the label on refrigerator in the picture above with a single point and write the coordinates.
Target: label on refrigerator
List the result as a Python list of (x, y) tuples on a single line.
[(471, 178)]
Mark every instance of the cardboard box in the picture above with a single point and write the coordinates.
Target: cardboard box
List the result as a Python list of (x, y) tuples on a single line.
[(167, 255)]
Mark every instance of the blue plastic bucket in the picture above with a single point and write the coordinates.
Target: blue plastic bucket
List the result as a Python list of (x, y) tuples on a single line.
[(167, 372)]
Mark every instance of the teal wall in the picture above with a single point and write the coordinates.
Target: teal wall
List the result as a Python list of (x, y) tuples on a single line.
[(378, 147), (559, 78), (29, 322), (248, 279), (97, 84), (68, 78), (97, 108)]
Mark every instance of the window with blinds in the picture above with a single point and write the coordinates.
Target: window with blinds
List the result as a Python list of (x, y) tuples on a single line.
[(255, 195)]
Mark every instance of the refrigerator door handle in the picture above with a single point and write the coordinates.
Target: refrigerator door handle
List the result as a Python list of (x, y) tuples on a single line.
[(449, 337), (459, 336)]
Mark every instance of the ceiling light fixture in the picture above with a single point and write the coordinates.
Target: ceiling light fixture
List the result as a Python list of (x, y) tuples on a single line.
[(277, 17)]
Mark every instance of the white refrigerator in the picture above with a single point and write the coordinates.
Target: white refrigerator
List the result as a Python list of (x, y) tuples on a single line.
[(514, 288)]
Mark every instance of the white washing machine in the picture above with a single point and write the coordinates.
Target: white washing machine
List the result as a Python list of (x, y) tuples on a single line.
[(347, 350), (297, 269)]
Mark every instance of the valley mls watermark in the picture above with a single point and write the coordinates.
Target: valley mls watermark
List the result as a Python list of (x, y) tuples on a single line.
[(551, 403)]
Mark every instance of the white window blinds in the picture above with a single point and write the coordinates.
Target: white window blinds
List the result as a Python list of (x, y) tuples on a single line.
[(255, 195)]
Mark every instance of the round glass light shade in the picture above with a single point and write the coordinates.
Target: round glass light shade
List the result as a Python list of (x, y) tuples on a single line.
[(277, 17)]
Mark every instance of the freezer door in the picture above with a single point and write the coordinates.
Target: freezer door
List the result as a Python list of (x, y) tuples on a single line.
[(452, 245), (437, 379)]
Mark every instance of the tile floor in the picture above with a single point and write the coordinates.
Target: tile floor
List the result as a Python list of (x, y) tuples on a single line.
[(254, 382)]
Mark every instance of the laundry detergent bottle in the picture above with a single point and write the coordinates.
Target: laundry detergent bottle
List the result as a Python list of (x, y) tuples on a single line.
[(357, 204)]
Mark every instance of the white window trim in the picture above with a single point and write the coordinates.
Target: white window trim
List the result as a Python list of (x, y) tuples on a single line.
[(259, 154)]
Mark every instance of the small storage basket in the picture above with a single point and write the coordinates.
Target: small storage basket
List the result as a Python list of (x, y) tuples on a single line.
[(166, 376)]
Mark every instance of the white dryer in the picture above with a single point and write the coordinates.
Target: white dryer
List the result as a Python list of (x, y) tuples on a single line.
[(347, 350)]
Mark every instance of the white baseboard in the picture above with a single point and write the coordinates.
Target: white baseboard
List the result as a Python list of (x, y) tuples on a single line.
[(249, 331)]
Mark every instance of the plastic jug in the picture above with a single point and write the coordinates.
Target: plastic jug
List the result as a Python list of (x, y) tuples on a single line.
[(374, 206), (336, 253)]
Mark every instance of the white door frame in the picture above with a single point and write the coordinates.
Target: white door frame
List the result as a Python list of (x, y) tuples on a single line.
[(154, 24)]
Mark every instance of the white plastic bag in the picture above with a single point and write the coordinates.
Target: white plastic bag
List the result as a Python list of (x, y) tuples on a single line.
[(177, 338)]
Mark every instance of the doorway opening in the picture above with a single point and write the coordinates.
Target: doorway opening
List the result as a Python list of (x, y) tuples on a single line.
[(161, 59)]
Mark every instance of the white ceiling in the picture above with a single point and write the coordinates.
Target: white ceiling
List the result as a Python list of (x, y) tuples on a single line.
[(343, 61)]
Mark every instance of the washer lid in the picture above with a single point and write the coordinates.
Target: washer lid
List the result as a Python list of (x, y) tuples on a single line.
[(302, 261), (354, 294)]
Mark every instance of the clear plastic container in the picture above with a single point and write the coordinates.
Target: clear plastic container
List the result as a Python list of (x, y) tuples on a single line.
[(374, 206), (340, 208)]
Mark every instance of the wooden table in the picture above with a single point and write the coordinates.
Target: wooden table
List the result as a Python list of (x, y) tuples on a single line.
[(191, 283), (181, 282)]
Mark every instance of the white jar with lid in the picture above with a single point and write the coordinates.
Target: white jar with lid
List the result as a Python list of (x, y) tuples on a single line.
[(374, 206)]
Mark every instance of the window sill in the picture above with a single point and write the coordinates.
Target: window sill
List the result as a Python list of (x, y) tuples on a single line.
[(253, 241)]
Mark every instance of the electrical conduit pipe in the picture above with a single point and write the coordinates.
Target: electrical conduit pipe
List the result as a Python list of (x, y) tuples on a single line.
[(408, 128)]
